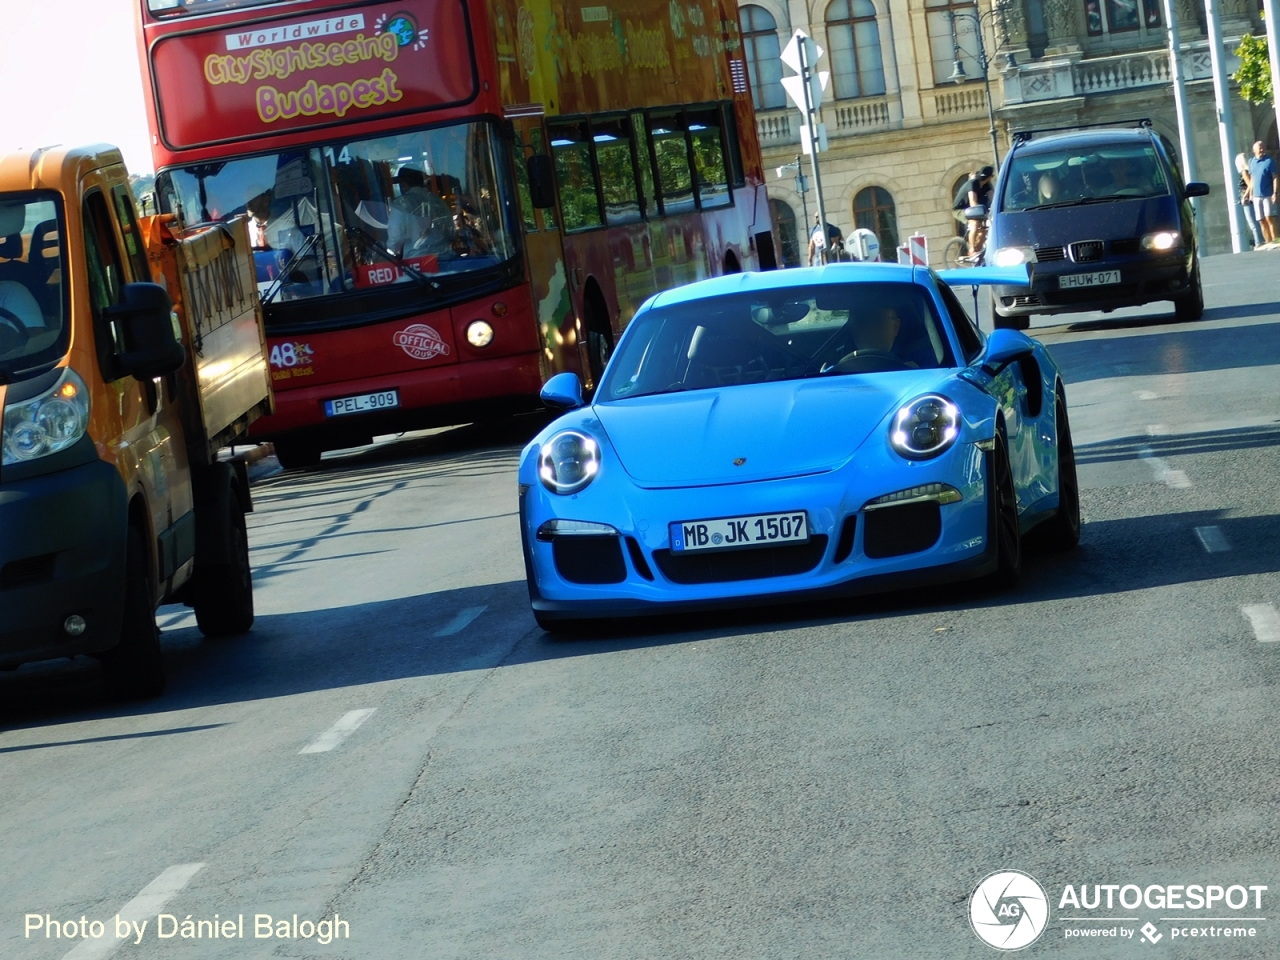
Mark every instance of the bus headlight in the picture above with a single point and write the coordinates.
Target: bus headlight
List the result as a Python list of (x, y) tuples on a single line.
[(46, 424), (479, 333), (568, 462)]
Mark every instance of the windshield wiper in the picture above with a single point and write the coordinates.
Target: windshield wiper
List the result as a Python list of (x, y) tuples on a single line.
[(288, 267)]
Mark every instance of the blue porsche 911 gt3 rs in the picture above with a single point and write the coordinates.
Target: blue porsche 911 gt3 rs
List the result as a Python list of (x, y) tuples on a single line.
[(767, 437)]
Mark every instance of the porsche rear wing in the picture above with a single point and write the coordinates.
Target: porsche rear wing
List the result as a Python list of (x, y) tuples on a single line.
[(1019, 276)]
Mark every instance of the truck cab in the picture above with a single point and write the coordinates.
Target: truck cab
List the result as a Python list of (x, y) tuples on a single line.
[(120, 378)]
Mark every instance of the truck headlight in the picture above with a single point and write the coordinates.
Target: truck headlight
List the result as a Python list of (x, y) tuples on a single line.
[(48, 423), (568, 462), (925, 427)]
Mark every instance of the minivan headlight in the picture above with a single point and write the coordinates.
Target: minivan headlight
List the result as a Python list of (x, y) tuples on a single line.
[(46, 424), (568, 462), (925, 427), (1162, 241), (1013, 256)]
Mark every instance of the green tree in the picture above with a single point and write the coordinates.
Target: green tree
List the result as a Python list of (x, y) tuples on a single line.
[(1254, 75)]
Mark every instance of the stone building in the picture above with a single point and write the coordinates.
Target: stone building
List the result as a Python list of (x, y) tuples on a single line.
[(903, 133)]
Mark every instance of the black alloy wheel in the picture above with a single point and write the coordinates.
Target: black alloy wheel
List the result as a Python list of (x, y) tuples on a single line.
[(1062, 531), (1008, 530)]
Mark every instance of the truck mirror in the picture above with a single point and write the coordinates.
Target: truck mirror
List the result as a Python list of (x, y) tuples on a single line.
[(145, 324), (541, 190)]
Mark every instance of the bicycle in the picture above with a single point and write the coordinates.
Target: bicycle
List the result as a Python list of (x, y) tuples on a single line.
[(955, 255)]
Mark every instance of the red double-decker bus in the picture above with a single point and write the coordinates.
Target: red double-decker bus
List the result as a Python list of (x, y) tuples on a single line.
[(450, 200)]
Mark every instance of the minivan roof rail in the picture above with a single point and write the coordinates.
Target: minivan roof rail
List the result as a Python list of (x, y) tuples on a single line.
[(1022, 136)]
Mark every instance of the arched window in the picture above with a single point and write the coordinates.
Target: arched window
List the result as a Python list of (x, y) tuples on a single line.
[(873, 208), (856, 67), (763, 53), (785, 218)]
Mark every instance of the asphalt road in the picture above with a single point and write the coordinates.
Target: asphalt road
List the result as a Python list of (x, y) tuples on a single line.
[(398, 744)]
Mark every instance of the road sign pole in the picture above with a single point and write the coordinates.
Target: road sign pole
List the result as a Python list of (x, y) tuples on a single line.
[(811, 125)]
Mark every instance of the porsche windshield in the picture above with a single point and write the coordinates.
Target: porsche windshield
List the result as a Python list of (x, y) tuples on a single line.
[(33, 329), (786, 334), (1075, 176)]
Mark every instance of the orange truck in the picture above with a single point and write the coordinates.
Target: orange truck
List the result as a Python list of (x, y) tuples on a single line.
[(130, 355)]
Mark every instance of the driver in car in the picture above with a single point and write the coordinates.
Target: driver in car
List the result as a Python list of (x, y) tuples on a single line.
[(20, 316), (875, 333)]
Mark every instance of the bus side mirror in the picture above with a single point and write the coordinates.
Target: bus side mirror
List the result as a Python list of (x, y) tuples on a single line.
[(145, 324), (541, 190)]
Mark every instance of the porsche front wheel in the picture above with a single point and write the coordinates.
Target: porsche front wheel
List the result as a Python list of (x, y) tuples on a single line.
[(1062, 531), (1007, 530)]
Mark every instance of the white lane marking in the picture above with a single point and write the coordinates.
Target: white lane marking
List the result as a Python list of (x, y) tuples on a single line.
[(1157, 430), (1265, 621), (1213, 539), (141, 908), (1177, 479), (459, 623), (1146, 394), (347, 724)]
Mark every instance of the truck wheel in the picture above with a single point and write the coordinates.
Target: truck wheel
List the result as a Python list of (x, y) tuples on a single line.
[(297, 454), (134, 668), (224, 594)]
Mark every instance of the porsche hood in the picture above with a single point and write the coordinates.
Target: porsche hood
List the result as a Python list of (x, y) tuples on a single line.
[(764, 431)]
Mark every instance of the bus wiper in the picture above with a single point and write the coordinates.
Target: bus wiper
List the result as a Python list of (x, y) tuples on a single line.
[(288, 268), (387, 255)]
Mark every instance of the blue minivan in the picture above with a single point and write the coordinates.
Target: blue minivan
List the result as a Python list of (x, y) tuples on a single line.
[(1104, 219)]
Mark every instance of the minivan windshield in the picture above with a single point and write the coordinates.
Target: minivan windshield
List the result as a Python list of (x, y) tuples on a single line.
[(792, 333), (32, 323), (1074, 175)]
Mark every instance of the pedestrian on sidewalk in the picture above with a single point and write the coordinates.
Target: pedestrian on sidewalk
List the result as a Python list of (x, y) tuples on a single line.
[(1263, 183), (1245, 189)]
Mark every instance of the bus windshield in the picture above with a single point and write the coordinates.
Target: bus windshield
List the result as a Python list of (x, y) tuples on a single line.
[(357, 214)]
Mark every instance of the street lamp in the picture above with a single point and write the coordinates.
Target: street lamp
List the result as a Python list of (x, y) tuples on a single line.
[(958, 75)]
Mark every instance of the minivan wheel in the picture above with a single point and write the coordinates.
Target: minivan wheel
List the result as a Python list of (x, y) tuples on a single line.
[(1190, 306)]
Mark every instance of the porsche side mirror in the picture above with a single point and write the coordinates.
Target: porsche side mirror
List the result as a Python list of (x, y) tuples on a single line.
[(1004, 347), (1195, 189), (562, 392)]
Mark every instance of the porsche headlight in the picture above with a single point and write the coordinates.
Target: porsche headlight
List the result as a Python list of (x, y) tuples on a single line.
[(46, 424), (1013, 256), (568, 462), (925, 427), (1160, 242)]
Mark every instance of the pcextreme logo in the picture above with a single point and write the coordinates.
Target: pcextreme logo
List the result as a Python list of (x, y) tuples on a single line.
[(1009, 910)]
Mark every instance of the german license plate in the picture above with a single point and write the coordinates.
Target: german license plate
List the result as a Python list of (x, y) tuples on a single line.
[(364, 403), (728, 533), (1071, 281)]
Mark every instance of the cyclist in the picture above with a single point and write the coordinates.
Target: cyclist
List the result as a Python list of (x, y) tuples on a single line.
[(976, 191)]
